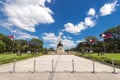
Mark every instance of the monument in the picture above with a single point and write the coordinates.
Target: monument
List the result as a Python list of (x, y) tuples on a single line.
[(60, 48)]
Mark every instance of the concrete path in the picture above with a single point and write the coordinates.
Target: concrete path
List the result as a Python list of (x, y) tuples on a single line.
[(61, 69)]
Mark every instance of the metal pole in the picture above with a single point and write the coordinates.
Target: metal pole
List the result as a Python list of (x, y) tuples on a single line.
[(113, 67), (73, 69), (104, 46), (34, 69), (13, 46), (93, 67), (83, 49), (14, 65), (90, 47)]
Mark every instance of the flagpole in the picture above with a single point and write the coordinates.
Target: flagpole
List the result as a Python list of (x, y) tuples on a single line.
[(90, 46), (83, 49), (104, 36), (13, 46), (104, 46), (91, 41)]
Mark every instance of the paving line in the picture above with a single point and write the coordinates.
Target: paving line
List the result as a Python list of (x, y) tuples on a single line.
[(51, 76)]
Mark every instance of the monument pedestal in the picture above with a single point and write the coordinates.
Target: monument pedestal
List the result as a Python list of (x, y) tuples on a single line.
[(60, 48)]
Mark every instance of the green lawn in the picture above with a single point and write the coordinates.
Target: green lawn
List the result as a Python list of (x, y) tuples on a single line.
[(7, 58), (108, 55), (107, 58)]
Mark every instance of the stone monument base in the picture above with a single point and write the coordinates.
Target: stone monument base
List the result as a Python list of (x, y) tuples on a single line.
[(60, 49)]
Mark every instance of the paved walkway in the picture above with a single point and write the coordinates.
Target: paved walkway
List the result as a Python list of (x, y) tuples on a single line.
[(62, 69)]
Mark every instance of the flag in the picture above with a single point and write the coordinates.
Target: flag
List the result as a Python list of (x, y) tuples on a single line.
[(106, 35), (103, 35), (92, 40), (11, 36)]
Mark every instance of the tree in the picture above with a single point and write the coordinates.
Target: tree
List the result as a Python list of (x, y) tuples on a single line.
[(113, 43), (87, 39), (7, 41), (6, 44), (2, 46), (82, 47), (35, 45), (51, 49), (91, 41), (21, 45)]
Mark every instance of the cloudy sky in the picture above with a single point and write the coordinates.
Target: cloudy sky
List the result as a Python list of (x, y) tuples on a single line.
[(45, 19)]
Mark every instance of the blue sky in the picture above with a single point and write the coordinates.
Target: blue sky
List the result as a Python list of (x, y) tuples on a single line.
[(45, 19)]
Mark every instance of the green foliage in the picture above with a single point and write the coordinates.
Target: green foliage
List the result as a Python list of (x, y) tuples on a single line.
[(35, 45), (112, 44), (51, 49), (6, 44), (7, 41), (45, 51), (2, 46), (90, 37), (21, 45), (86, 45)]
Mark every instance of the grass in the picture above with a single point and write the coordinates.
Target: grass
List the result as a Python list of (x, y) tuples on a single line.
[(108, 55), (106, 58), (7, 57)]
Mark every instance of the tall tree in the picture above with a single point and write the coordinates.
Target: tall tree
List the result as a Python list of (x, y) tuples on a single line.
[(113, 43), (8, 42), (21, 45), (91, 41), (35, 45), (2, 46)]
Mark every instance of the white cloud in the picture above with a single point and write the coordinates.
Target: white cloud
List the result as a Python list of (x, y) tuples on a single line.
[(91, 18), (75, 29), (91, 12), (22, 35), (64, 37), (89, 22), (108, 8), (17, 32), (71, 28), (26, 14), (5, 24), (68, 43), (69, 37), (78, 41), (52, 39), (52, 45)]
